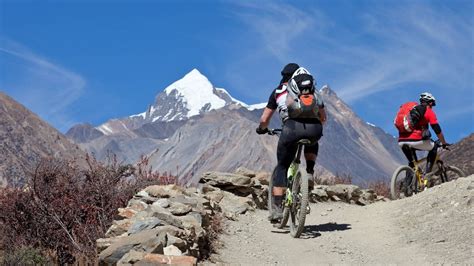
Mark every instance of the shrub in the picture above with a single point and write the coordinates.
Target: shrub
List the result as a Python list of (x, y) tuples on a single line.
[(380, 187), (63, 208)]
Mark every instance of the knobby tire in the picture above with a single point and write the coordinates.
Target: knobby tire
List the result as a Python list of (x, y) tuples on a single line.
[(298, 208), (396, 179)]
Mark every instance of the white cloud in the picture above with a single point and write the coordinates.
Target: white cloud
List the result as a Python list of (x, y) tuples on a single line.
[(45, 87), (377, 49)]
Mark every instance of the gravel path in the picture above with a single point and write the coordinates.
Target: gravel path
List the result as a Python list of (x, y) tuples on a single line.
[(410, 231)]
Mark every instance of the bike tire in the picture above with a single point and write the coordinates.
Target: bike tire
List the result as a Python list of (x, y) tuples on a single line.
[(396, 180), (270, 189), (299, 206), (452, 173)]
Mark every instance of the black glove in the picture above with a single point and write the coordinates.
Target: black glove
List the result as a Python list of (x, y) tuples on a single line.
[(445, 146), (261, 131)]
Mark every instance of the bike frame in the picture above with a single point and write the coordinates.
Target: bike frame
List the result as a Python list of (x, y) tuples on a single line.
[(294, 165), (419, 173)]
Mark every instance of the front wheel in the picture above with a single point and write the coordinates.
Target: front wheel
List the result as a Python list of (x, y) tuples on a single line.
[(401, 184), (299, 204)]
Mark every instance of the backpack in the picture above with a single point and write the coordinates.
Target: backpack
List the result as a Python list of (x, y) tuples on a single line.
[(408, 116), (302, 100)]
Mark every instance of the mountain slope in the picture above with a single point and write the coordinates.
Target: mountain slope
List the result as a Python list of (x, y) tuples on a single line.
[(25, 138), (461, 154)]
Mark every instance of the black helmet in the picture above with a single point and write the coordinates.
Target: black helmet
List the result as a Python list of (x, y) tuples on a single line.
[(287, 72)]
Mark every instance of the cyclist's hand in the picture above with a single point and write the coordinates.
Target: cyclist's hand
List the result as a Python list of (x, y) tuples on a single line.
[(445, 146), (261, 131)]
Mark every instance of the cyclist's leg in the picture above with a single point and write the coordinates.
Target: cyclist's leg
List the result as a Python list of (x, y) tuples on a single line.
[(312, 132), (410, 154), (286, 151)]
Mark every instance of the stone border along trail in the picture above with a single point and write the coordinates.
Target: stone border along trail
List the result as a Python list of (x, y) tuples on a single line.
[(435, 226)]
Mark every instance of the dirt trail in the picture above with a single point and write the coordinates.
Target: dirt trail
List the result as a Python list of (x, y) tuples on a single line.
[(435, 226)]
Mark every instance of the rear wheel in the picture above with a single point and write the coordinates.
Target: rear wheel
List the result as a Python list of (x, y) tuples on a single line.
[(297, 210), (270, 189), (398, 185), (449, 173)]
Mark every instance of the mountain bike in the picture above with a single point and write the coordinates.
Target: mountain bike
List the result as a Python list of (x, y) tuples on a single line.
[(295, 203), (420, 181)]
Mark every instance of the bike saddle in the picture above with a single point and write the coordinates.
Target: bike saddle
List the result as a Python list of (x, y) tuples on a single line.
[(305, 142)]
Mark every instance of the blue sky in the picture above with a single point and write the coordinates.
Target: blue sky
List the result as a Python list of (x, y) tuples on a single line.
[(89, 61)]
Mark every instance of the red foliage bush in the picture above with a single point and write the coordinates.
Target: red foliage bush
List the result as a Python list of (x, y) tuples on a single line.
[(381, 188), (63, 209)]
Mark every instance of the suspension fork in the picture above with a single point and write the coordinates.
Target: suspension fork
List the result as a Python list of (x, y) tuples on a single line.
[(292, 170)]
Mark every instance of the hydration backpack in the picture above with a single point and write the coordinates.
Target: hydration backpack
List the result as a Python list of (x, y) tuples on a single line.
[(302, 101), (408, 116)]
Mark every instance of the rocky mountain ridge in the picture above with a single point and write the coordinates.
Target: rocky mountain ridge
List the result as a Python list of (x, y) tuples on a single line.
[(214, 131)]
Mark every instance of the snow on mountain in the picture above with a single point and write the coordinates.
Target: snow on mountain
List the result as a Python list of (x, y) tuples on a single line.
[(196, 92)]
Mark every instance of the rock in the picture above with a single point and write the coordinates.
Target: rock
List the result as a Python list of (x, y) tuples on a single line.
[(136, 205), (175, 241), (260, 197), (167, 218), (131, 257), (163, 203), (142, 224), (192, 220), (335, 198), (368, 195), (151, 240), (126, 212), (118, 228), (263, 178), (103, 243), (226, 181), (343, 191), (158, 259), (142, 194), (215, 196), (172, 251), (234, 204), (179, 209), (166, 191), (245, 172), (320, 194)]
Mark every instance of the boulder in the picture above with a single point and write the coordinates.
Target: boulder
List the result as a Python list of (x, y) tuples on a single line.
[(143, 224), (176, 241), (344, 192), (163, 203), (118, 227), (233, 205), (263, 178), (158, 259), (172, 251), (167, 191), (235, 183), (151, 241), (179, 209), (245, 172)]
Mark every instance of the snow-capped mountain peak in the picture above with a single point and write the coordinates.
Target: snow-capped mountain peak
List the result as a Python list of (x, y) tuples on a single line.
[(196, 92), (189, 96)]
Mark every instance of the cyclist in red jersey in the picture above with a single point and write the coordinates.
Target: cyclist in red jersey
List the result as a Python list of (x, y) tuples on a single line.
[(420, 137)]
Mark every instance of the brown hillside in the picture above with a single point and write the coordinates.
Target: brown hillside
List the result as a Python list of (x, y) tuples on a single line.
[(461, 155), (24, 139)]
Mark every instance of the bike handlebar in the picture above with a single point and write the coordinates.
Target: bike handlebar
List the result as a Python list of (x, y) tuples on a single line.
[(274, 131)]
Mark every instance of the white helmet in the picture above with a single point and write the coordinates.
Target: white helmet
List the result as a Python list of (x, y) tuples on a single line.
[(427, 97), (301, 81)]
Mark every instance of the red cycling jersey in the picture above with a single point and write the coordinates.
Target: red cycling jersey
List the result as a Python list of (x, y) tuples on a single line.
[(417, 133)]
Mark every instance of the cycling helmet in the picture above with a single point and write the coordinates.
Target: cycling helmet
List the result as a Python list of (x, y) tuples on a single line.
[(287, 72), (427, 97), (301, 82)]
